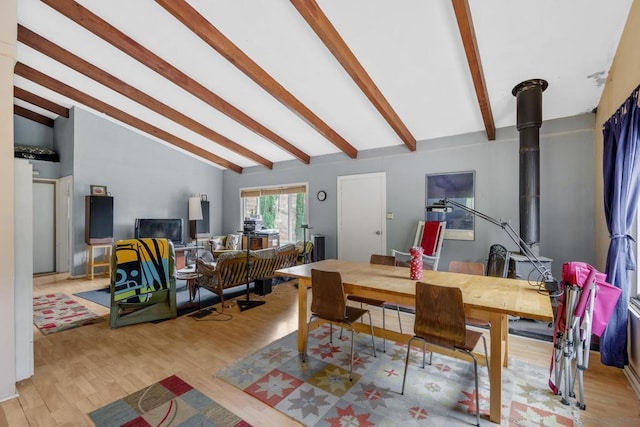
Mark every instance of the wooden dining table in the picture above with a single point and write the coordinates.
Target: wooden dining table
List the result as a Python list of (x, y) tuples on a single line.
[(487, 298)]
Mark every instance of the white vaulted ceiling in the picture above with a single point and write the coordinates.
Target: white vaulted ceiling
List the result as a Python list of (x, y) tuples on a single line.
[(284, 93)]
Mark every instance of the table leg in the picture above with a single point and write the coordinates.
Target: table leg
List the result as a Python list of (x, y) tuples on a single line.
[(498, 330), (505, 340), (190, 283), (303, 285), (93, 254)]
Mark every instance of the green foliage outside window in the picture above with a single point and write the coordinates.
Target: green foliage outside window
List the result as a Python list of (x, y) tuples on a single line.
[(268, 209), (299, 215), (283, 212)]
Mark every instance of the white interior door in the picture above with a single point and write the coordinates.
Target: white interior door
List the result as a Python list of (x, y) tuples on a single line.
[(64, 231), (362, 206), (44, 254)]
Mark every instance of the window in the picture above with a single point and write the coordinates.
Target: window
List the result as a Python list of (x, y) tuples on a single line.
[(282, 208)]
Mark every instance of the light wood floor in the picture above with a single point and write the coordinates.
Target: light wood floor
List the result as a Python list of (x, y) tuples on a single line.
[(83, 369)]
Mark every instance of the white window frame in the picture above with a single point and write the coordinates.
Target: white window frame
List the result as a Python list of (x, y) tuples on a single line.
[(270, 189)]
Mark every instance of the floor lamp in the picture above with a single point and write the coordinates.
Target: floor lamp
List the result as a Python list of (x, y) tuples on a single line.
[(248, 230), (550, 284)]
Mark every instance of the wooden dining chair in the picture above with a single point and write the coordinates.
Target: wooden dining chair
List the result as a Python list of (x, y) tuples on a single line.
[(477, 268), (329, 303), (466, 267), (440, 321), (379, 260)]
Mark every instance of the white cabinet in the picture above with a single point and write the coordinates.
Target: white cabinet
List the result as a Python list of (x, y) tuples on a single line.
[(23, 265)]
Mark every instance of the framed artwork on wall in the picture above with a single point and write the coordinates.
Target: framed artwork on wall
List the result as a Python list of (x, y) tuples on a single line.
[(98, 190), (457, 186)]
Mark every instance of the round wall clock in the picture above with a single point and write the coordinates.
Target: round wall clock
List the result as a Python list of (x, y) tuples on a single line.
[(322, 195)]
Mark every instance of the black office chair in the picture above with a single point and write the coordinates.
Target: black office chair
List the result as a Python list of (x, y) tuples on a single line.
[(498, 262)]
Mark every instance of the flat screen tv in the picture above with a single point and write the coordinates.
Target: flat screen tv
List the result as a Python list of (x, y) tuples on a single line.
[(160, 228)]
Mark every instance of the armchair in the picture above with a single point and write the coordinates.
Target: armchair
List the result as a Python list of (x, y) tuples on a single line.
[(143, 283), (304, 251), (429, 235), (230, 269)]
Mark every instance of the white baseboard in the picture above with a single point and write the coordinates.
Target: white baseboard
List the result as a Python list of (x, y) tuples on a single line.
[(634, 379), (9, 397)]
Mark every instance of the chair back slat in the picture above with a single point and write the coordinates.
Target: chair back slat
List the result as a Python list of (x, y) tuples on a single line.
[(440, 315), (232, 272), (286, 258), (382, 259), (328, 298), (264, 261), (466, 267)]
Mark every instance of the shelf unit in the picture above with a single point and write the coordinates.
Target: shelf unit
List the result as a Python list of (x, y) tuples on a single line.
[(103, 261)]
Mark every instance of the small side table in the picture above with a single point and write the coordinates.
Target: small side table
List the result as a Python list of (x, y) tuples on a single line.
[(190, 276), (101, 262)]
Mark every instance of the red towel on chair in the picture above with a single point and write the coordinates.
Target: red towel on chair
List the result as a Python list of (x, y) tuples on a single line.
[(430, 237)]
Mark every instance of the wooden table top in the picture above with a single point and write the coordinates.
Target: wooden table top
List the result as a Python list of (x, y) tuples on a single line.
[(506, 296)]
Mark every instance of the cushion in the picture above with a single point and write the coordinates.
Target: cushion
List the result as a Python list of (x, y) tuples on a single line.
[(287, 247), (233, 242), (264, 253), (230, 255), (217, 243), (299, 245)]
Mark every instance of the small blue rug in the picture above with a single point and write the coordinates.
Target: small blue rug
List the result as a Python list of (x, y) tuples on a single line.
[(203, 298)]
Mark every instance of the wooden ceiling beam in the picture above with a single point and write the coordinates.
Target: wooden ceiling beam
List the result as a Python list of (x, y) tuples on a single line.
[(101, 28), (189, 17), (468, 34), (78, 64), (39, 101), (32, 115), (321, 25), (42, 79)]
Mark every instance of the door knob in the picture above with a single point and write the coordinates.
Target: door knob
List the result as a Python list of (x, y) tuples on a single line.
[(378, 232)]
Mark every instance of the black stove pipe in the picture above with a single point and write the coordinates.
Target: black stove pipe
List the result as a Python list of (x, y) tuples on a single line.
[(529, 119)]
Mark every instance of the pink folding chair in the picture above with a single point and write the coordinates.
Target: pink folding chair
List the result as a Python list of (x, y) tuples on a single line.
[(584, 308)]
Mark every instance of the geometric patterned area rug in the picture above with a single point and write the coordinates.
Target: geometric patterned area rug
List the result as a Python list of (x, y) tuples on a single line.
[(57, 312), (170, 402), (319, 393)]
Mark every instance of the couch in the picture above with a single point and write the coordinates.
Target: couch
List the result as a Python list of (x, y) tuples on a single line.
[(221, 244), (230, 269), (307, 250)]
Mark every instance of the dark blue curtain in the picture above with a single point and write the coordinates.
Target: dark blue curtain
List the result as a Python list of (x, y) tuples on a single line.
[(621, 166)]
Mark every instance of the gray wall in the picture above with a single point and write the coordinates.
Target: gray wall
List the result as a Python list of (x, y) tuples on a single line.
[(28, 132), (63, 140), (146, 179), (567, 176)]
